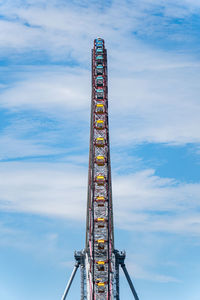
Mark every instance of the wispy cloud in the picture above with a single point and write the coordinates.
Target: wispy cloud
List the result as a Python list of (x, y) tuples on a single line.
[(142, 201), (150, 99), (60, 28), (150, 95), (48, 90), (28, 135), (147, 202), (140, 272), (153, 85), (56, 190), (153, 97)]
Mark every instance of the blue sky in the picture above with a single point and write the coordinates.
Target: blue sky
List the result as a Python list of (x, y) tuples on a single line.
[(154, 66)]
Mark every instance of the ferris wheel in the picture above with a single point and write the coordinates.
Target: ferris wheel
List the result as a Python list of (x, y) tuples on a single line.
[(99, 261)]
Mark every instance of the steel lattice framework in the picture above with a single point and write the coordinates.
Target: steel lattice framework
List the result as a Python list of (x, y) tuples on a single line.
[(99, 261), (99, 233)]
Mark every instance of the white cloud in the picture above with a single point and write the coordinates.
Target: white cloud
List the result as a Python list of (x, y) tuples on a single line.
[(45, 110), (156, 106), (17, 36), (142, 101), (44, 189), (31, 136), (147, 86), (153, 98), (140, 272), (56, 90), (142, 201), (12, 148), (146, 202), (143, 204), (66, 30)]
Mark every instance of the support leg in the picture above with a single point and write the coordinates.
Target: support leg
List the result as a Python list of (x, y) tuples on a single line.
[(117, 278), (82, 282), (70, 281), (129, 281)]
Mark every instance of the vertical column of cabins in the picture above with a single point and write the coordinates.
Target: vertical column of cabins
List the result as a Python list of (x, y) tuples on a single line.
[(100, 236)]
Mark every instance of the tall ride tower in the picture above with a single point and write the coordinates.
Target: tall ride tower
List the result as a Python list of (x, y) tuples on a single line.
[(99, 261)]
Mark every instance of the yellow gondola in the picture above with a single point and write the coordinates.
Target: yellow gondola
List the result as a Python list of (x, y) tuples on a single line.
[(101, 287), (100, 241), (100, 124), (100, 220), (100, 262), (101, 284), (100, 160), (100, 180), (101, 244), (100, 200), (100, 142), (100, 109)]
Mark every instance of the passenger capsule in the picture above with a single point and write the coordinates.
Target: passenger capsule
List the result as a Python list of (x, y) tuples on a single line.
[(100, 160), (99, 59), (101, 222), (100, 142), (101, 241), (99, 70), (101, 266), (99, 81), (99, 50), (100, 200), (99, 94), (100, 179), (100, 124), (101, 287), (101, 244), (100, 109), (101, 284), (99, 42)]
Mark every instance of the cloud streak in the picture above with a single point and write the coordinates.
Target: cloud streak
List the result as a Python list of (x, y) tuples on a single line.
[(147, 202), (150, 98), (142, 201), (60, 29), (153, 85), (50, 190), (153, 98)]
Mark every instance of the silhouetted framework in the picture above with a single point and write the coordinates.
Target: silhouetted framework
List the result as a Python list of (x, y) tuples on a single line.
[(99, 262)]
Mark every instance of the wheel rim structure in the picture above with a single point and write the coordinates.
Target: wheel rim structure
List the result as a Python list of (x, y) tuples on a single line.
[(99, 231), (99, 261)]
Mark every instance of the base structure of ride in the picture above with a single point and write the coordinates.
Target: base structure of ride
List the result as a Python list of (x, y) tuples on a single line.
[(99, 262)]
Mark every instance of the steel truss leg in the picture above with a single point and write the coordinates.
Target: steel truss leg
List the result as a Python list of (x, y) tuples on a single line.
[(79, 257), (129, 281), (82, 282), (119, 260), (117, 278), (70, 281)]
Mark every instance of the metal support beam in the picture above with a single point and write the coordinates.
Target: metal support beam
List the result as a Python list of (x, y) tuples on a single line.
[(70, 281), (79, 257), (129, 281), (119, 260), (116, 274), (82, 283), (99, 262)]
